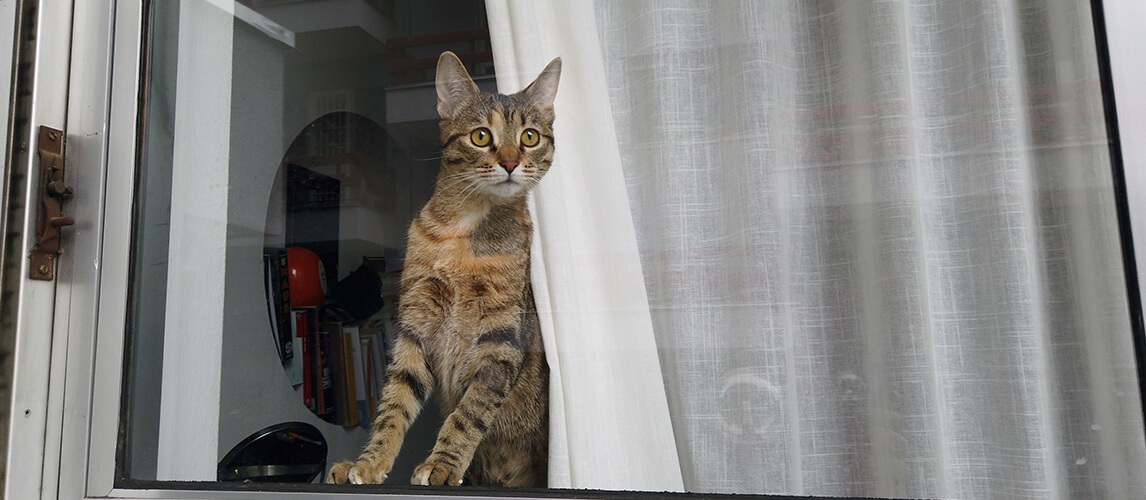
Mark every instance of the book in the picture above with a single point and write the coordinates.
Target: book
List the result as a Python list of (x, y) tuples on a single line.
[(304, 335), (342, 370), (376, 356), (271, 290), (294, 366), (327, 330), (278, 300), (324, 395), (372, 388), (355, 341), (283, 303), (350, 390)]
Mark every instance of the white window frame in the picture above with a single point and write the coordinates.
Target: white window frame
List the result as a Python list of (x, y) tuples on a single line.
[(90, 316), (68, 369), (35, 416), (1127, 49)]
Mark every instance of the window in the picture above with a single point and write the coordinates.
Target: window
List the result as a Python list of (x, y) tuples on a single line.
[(323, 118), (831, 249)]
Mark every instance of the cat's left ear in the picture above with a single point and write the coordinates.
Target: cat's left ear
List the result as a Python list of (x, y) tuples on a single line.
[(544, 89)]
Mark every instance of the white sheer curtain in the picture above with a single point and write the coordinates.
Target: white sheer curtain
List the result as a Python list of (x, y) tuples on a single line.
[(609, 421), (878, 240)]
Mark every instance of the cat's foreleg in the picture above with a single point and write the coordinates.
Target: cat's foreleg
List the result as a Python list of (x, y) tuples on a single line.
[(408, 385), (498, 360)]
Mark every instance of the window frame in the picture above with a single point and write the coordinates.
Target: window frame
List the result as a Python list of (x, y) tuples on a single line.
[(102, 91), (1118, 40)]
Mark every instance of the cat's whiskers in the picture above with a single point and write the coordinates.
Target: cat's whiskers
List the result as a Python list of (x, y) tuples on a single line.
[(456, 179), (469, 191), (451, 181)]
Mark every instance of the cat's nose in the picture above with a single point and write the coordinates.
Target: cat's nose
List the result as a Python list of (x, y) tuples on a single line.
[(508, 165)]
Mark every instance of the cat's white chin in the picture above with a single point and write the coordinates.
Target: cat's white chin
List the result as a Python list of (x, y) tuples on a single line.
[(505, 189)]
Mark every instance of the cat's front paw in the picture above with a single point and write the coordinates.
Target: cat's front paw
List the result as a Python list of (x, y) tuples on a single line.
[(355, 473), (434, 472), (338, 473)]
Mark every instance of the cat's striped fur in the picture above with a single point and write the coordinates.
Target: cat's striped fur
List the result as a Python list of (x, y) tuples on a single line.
[(468, 329)]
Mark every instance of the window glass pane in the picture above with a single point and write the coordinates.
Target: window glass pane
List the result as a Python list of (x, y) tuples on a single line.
[(271, 125), (843, 248)]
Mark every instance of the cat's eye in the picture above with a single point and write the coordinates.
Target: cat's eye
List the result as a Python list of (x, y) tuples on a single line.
[(530, 137), (481, 137)]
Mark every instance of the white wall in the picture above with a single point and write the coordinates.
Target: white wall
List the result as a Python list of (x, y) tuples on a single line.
[(255, 392)]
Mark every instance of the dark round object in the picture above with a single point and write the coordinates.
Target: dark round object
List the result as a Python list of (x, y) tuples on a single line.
[(290, 452)]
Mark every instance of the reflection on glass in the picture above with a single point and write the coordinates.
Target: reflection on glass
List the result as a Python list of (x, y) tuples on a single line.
[(270, 127), (874, 243)]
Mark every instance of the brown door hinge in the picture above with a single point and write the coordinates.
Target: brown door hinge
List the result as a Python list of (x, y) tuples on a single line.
[(50, 219)]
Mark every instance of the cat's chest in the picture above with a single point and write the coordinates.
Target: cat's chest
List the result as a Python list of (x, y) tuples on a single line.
[(465, 299), (464, 270), (461, 279), (472, 259), (457, 290)]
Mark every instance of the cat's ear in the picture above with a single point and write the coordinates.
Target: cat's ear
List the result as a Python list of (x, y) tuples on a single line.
[(544, 89), (453, 83)]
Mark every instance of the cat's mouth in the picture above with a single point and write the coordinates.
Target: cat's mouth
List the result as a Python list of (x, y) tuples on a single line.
[(508, 181), (507, 187)]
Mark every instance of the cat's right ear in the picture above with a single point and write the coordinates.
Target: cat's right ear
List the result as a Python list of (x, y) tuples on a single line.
[(453, 83)]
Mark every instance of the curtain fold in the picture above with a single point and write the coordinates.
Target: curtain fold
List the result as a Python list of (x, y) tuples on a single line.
[(609, 421), (880, 245)]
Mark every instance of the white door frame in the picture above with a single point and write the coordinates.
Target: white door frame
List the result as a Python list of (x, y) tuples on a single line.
[(30, 408)]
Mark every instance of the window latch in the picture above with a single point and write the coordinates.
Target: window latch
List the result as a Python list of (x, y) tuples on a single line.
[(50, 217)]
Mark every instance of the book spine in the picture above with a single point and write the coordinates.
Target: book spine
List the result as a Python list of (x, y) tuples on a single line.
[(371, 388), (324, 378), (357, 357), (338, 371), (270, 275), (301, 322), (348, 375), (282, 303), (378, 359)]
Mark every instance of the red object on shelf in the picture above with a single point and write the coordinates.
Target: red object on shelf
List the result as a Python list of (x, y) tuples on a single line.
[(307, 278)]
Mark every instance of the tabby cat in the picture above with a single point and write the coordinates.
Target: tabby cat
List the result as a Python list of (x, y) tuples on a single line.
[(468, 331)]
